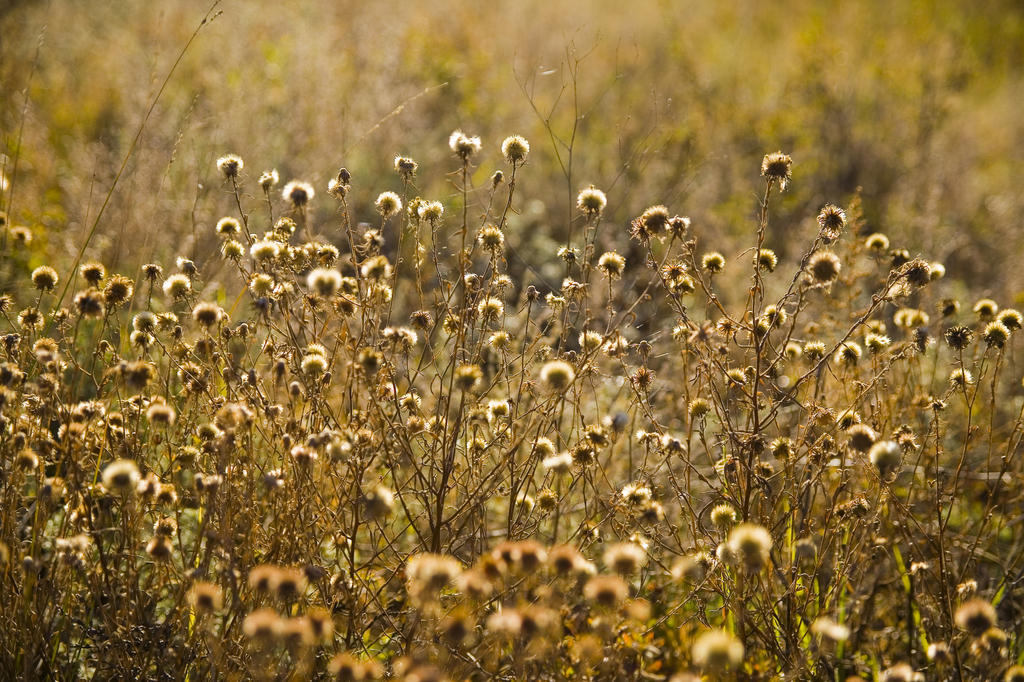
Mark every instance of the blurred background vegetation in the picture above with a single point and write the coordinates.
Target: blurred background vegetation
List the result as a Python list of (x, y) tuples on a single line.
[(916, 103)]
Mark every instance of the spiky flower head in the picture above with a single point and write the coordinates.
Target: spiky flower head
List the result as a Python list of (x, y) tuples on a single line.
[(996, 334), (491, 239), (269, 179), (205, 598), (606, 590), (862, 437), (44, 278), (265, 250), (847, 354), (227, 227), (958, 337), (324, 281), (591, 201), (886, 455), (775, 316), (405, 167), (463, 146), (230, 165), (144, 321), (30, 319), (428, 574), (559, 464), (160, 413), (699, 407), (431, 211), (777, 167), (89, 303), (515, 149), (678, 226), (824, 267), (468, 377), (421, 319), (298, 193), (314, 364), (713, 262), (208, 314), (388, 204), (121, 476), (490, 309), (831, 222), (118, 291), (651, 223), (960, 378), (767, 260), (1011, 319), (636, 494), (876, 343), (557, 376), (976, 616), (877, 243), (986, 308), (723, 516), (93, 273), (612, 264), (717, 650), (752, 544), (376, 269), (910, 318)]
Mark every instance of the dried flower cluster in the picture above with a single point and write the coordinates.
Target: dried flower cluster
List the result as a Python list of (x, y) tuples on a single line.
[(394, 457)]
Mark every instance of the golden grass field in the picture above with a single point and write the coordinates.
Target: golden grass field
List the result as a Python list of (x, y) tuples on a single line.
[(545, 340)]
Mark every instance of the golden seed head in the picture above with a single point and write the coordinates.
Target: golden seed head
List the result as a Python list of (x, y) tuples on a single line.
[(557, 376), (717, 650), (269, 179), (847, 354), (831, 221), (886, 455), (376, 269), (958, 337), (207, 314), (230, 165), (121, 476), (651, 223), (824, 267), (976, 616), (205, 598), (463, 145), (699, 407), (515, 149), (44, 278), (777, 167), (89, 303), (625, 558), (388, 204), (752, 544), (612, 264), (723, 516), (996, 334), (405, 167), (468, 377), (177, 287), (606, 590), (591, 201), (491, 240), (713, 263), (298, 193), (265, 250)]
